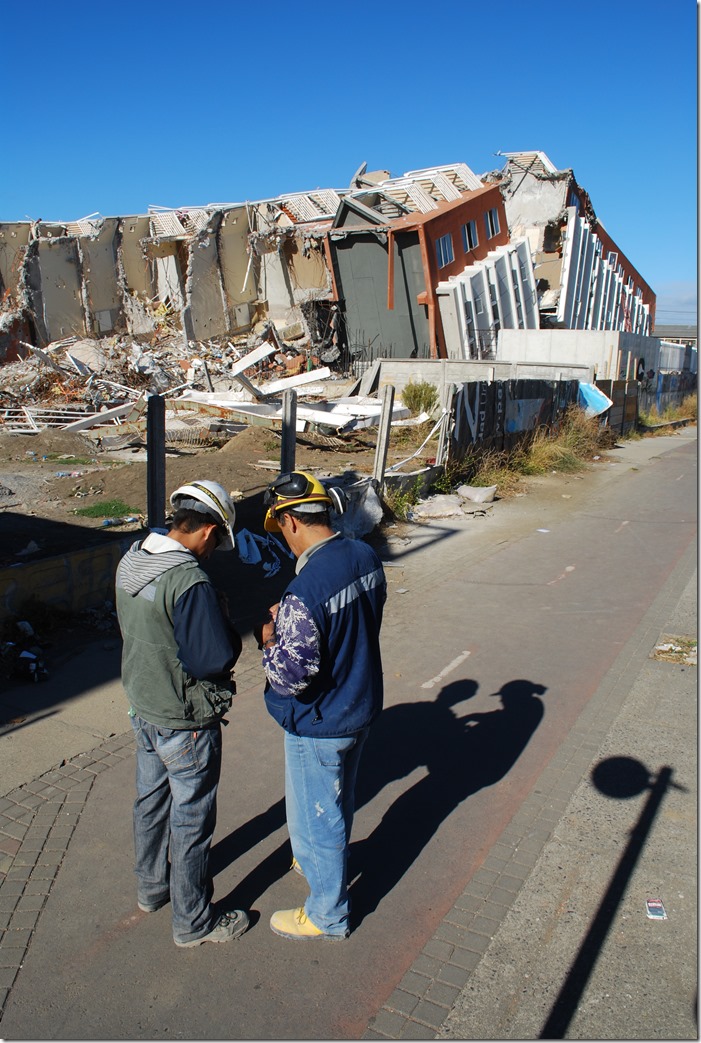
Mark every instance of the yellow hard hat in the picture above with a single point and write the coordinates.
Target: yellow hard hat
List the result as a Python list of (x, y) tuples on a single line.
[(296, 489)]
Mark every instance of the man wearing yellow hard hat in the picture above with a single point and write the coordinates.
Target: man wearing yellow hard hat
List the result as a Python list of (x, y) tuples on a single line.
[(321, 656)]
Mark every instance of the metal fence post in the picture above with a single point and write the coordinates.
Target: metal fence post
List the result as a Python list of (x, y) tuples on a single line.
[(288, 444), (156, 461)]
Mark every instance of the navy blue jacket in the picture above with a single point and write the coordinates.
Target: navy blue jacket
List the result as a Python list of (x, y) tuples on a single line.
[(343, 588)]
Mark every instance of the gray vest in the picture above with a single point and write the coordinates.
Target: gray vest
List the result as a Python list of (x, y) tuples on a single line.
[(158, 687)]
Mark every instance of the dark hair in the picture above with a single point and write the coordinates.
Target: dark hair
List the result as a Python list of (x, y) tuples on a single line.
[(187, 520), (308, 517)]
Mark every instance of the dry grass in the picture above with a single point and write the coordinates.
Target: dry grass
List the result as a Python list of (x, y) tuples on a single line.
[(568, 450), (686, 410)]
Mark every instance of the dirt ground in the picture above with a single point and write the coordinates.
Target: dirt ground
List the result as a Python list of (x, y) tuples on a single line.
[(37, 504)]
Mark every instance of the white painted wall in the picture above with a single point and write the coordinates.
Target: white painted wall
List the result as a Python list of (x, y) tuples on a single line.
[(465, 303)]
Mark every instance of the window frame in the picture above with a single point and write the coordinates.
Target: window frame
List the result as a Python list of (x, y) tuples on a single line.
[(444, 248), (468, 247), (491, 221)]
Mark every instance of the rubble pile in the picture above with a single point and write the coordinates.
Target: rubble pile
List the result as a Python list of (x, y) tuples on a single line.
[(83, 377)]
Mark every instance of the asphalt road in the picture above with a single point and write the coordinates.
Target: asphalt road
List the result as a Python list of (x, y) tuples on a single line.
[(498, 632)]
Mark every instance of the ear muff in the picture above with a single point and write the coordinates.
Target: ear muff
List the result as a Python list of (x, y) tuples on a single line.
[(270, 522), (339, 500)]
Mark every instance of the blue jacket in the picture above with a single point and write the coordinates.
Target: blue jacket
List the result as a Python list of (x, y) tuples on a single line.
[(342, 586)]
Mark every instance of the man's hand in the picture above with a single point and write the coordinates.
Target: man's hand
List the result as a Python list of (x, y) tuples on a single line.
[(265, 632)]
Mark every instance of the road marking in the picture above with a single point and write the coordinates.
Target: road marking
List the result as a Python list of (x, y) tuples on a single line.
[(568, 568), (445, 671)]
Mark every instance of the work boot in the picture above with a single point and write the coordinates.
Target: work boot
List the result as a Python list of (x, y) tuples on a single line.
[(229, 926), (295, 924), (297, 867)]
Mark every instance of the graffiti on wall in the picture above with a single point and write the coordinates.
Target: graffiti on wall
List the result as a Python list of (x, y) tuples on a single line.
[(497, 414)]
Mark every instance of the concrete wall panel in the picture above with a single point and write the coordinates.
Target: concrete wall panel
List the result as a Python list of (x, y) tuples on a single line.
[(611, 353), (135, 263), (100, 275), (13, 242), (441, 372), (61, 288), (234, 260), (205, 293)]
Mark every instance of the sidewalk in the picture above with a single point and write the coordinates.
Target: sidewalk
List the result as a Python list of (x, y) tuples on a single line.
[(585, 901), (523, 920), (497, 962)]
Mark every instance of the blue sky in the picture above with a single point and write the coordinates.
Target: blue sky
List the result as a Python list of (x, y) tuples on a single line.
[(119, 106)]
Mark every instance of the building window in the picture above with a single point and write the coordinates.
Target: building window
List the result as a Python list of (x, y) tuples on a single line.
[(491, 220), (444, 250), (469, 236)]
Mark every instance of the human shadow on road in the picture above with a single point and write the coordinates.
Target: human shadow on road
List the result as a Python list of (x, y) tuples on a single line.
[(461, 755)]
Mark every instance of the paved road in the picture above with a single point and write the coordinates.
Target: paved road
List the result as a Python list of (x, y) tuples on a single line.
[(502, 634)]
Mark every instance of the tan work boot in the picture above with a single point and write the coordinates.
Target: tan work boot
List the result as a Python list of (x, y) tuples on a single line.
[(295, 924)]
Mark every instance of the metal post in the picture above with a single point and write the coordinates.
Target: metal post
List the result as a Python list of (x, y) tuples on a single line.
[(378, 473), (446, 402), (156, 461), (288, 444)]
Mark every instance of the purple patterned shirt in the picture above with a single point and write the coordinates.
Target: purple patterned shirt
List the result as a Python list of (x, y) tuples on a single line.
[(295, 657)]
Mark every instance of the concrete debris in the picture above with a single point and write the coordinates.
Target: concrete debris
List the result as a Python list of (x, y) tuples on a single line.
[(443, 505), (99, 386)]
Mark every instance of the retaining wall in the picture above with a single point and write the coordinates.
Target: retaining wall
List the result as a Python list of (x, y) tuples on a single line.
[(70, 582)]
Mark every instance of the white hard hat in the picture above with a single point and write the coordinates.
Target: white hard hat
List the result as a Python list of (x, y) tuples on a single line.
[(210, 498)]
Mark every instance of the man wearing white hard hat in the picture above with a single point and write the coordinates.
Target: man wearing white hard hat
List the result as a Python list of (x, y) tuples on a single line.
[(321, 656), (177, 670)]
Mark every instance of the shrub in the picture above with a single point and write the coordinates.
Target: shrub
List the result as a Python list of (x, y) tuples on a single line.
[(400, 501), (420, 397)]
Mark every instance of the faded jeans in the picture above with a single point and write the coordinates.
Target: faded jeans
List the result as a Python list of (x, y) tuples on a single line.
[(320, 776), (177, 775)]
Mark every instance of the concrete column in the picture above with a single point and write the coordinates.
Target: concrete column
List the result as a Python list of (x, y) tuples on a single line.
[(383, 434)]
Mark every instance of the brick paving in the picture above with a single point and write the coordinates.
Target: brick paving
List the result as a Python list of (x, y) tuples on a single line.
[(37, 822)]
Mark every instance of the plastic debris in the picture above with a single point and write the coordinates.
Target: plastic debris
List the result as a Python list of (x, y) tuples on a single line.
[(655, 909), (110, 523), (477, 493)]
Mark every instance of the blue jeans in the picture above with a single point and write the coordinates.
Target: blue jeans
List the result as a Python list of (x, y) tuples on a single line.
[(320, 777), (177, 774)]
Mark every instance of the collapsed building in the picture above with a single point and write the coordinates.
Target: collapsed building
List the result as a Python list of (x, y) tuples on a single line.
[(584, 280), (431, 264)]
